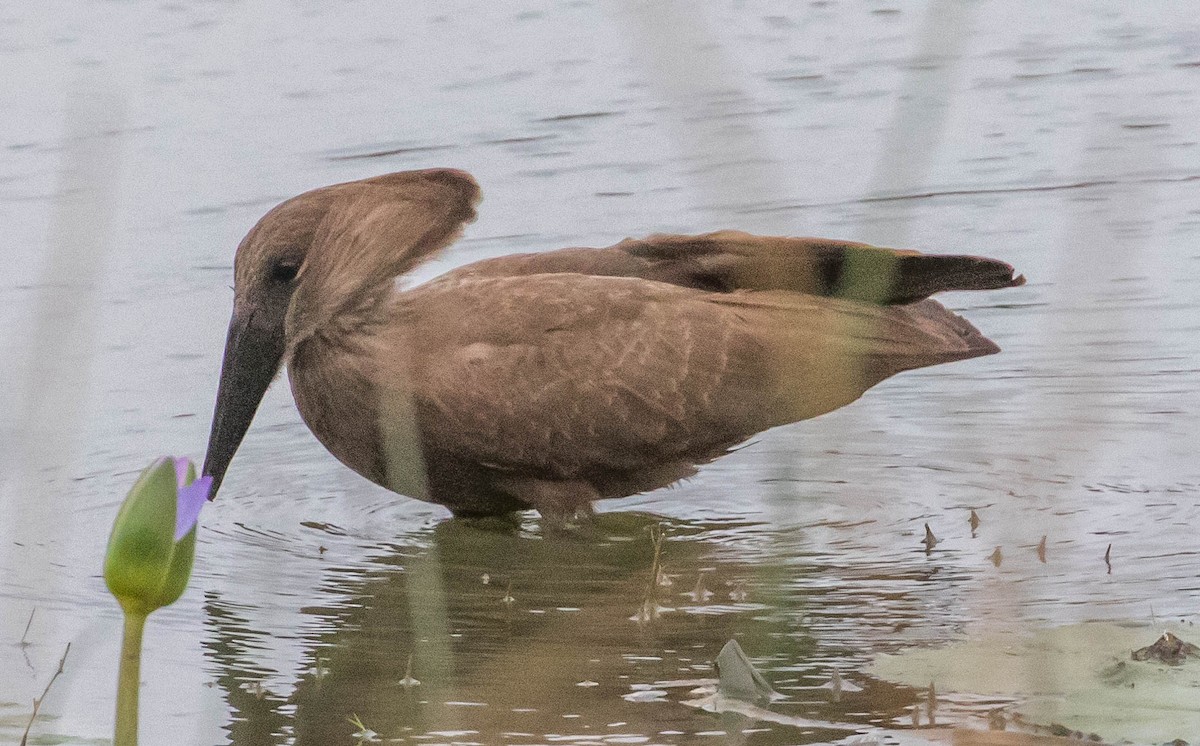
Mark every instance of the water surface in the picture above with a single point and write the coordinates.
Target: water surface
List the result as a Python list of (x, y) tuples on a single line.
[(140, 141)]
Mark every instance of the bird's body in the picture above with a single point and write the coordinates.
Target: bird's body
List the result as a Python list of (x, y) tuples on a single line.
[(552, 380)]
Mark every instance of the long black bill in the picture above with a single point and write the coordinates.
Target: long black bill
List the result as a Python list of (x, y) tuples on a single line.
[(252, 358)]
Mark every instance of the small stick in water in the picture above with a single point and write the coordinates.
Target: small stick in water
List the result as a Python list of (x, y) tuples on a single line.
[(930, 541), (27, 626), (931, 705), (37, 703), (408, 682)]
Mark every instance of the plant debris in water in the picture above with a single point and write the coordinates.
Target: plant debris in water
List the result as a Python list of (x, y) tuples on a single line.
[(739, 679), (1077, 678), (740, 692), (1167, 649)]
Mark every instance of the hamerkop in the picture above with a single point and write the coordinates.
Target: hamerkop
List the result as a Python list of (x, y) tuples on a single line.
[(555, 379)]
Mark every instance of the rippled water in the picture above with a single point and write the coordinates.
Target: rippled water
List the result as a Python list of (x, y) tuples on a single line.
[(140, 140)]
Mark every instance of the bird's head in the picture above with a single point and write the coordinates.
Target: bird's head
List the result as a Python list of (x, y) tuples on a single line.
[(266, 272), (312, 258)]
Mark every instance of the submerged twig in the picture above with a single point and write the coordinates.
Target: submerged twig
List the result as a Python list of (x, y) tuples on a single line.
[(700, 593), (1108, 558), (37, 703), (408, 682), (656, 536), (931, 705), (363, 733), (648, 611)]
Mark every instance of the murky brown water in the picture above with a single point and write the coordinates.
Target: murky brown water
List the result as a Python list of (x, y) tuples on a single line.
[(140, 140)]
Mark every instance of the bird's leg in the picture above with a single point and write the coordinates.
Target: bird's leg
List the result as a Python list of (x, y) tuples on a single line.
[(562, 503), (585, 512)]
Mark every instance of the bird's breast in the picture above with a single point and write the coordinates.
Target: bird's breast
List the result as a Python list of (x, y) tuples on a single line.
[(337, 392)]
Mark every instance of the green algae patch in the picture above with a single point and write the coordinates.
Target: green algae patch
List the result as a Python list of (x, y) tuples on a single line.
[(1082, 677)]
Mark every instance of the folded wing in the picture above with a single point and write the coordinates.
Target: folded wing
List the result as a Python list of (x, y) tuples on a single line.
[(732, 260)]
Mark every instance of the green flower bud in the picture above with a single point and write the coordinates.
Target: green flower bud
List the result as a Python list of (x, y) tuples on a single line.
[(153, 541)]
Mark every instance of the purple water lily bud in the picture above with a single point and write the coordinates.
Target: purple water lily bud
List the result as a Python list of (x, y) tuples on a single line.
[(190, 498)]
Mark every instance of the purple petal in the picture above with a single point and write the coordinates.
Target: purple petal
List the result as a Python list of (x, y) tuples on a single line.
[(181, 469), (188, 504)]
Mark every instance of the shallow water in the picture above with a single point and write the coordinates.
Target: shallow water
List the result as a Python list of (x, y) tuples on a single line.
[(142, 139)]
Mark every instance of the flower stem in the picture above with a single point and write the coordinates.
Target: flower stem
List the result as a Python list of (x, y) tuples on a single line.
[(128, 680)]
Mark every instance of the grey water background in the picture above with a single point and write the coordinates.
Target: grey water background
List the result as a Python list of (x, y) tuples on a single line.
[(140, 140)]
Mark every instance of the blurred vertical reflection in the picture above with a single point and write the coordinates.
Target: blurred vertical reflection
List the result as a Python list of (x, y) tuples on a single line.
[(53, 349), (689, 71), (918, 123), (910, 146)]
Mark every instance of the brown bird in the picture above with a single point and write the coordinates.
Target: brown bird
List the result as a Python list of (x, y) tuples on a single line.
[(555, 379)]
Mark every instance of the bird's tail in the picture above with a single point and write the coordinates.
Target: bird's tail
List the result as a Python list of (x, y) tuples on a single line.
[(824, 353)]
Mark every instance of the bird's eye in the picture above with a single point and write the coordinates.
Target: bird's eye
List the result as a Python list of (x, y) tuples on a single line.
[(284, 271)]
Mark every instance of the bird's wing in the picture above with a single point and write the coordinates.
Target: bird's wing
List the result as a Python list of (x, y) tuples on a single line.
[(566, 375), (370, 232), (731, 260)]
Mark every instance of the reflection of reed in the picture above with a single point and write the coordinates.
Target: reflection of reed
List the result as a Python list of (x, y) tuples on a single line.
[(918, 123), (691, 74), (1086, 414), (61, 335), (671, 37), (910, 146), (51, 381)]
